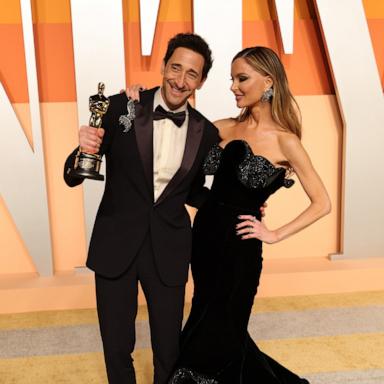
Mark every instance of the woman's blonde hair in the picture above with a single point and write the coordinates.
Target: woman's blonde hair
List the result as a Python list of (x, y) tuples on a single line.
[(285, 110)]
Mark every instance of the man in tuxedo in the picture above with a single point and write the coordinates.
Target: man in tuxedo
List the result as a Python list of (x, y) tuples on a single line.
[(142, 230)]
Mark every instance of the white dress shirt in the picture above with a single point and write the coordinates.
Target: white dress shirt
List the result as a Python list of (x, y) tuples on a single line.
[(168, 146)]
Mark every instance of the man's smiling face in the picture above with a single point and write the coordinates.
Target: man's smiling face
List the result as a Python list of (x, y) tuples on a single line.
[(182, 75)]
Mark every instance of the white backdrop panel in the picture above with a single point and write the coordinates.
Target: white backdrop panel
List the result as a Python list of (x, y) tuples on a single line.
[(148, 17), (22, 171), (220, 23), (98, 42), (362, 105)]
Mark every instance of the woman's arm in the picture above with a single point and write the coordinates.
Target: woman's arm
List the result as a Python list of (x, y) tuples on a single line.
[(320, 205)]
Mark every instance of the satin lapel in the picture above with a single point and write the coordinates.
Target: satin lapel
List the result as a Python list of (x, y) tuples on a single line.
[(144, 133), (192, 143)]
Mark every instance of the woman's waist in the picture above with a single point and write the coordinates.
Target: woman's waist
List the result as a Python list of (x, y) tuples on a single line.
[(238, 207)]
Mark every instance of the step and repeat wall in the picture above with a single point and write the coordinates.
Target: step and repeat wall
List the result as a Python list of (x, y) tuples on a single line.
[(54, 53)]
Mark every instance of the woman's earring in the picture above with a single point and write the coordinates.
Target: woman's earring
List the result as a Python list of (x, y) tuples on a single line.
[(267, 95)]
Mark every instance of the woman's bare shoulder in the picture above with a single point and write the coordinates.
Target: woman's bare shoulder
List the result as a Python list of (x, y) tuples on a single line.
[(288, 140), (225, 123), (225, 126), (293, 150)]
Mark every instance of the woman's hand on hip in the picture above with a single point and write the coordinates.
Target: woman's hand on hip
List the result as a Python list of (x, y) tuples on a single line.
[(251, 228)]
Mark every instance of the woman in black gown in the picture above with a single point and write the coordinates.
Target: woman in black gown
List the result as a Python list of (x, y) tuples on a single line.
[(259, 149)]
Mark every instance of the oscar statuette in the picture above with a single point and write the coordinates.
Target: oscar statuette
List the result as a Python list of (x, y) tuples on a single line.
[(88, 165)]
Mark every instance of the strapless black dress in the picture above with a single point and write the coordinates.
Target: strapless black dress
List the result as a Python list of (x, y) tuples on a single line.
[(215, 346)]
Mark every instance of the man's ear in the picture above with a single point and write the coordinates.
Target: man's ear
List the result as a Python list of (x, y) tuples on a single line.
[(201, 83), (162, 69)]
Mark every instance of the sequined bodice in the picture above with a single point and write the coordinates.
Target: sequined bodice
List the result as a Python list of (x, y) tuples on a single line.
[(241, 177)]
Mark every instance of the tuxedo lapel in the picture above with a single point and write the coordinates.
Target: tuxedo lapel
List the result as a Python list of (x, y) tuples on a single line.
[(192, 143), (144, 133)]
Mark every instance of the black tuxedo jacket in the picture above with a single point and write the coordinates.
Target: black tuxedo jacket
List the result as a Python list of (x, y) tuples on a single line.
[(127, 212)]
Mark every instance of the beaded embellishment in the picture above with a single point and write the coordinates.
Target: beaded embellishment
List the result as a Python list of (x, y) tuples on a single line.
[(212, 161), (254, 171), (187, 374), (127, 120)]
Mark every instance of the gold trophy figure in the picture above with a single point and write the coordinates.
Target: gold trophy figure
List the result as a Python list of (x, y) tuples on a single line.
[(88, 165)]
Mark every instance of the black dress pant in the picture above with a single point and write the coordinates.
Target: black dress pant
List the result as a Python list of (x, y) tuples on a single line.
[(117, 309)]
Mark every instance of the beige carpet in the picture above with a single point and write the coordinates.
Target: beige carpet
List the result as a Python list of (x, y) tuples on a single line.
[(336, 339)]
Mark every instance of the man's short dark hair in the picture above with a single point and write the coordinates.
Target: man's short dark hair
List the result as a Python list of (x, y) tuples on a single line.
[(193, 42)]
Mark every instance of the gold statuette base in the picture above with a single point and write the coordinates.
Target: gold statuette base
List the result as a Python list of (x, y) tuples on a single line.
[(87, 166)]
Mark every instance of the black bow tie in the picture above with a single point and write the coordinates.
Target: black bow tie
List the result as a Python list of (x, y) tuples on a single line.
[(177, 117)]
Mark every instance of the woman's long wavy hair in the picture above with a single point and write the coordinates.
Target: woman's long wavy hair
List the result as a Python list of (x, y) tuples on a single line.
[(285, 110)]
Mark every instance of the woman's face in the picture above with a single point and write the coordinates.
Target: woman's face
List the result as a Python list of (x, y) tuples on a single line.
[(248, 85)]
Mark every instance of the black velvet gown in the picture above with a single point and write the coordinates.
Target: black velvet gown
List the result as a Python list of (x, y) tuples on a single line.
[(216, 347)]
